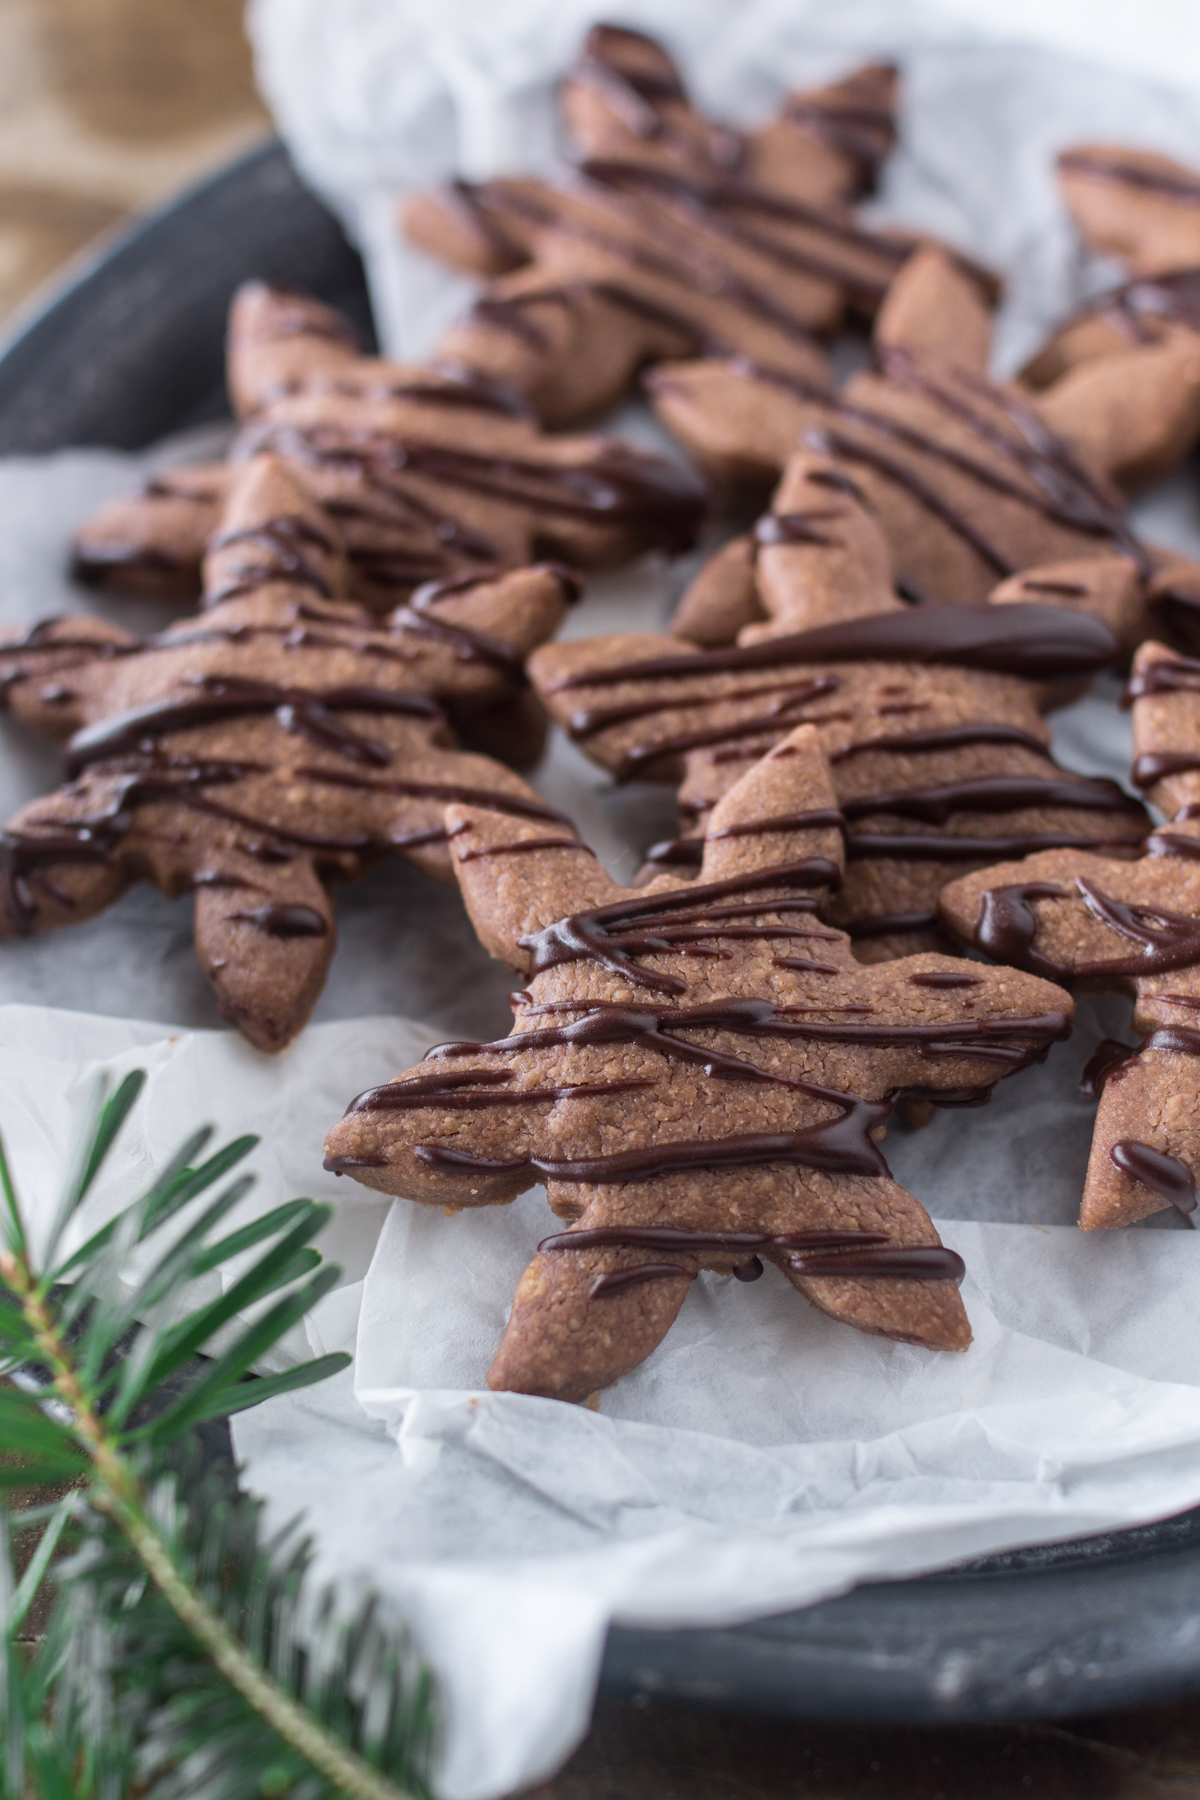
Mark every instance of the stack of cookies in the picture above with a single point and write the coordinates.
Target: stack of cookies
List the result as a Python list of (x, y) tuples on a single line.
[(849, 701)]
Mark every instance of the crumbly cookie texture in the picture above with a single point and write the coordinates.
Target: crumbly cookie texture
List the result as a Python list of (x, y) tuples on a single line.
[(284, 738), (931, 717), (972, 481), (426, 473), (675, 237), (1133, 927), (700, 1073)]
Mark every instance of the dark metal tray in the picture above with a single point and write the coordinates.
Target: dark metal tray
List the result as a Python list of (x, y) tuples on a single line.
[(132, 349)]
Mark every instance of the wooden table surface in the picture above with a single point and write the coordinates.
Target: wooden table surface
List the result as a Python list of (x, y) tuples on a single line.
[(108, 107)]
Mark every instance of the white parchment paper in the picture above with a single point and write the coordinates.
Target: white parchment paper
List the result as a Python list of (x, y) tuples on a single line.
[(764, 1457)]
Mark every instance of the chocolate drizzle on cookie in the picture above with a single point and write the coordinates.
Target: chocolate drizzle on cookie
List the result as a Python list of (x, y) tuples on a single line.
[(1023, 462), (1008, 928), (1164, 1175), (612, 935)]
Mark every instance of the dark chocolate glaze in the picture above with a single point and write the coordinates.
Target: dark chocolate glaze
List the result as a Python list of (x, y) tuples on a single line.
[(792, 694), (995, 793), (842, 1145), (618, 1279), (468, 645), (186, 780), (523, 846), (279, 919), (1173, 297), (1165, 675), (1008, 926), (1176, 184), (1013, 1042), (862, 846), (1173, 843), (932, 1262), (680, 1237), (459, 1092), (656, 213), (649, 104), (1164, 1175), (1157, 765), (946, 737), (944, 978), (1067, 590), (865, 135), (779, 719), (726, 204), (283, 540), (1110, 1059), (806, 1253), (461, 386), (227, 697), (24, 860), (1041, 643), (612, 935), (680, 852), (1106, 1063), (1178, 1040), (617, 486)]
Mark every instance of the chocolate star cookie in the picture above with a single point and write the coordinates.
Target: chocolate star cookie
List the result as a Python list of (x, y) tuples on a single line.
[(971, 480), (820, 555), (931, 717), (1145, 210), (676, 237), (1129, 926), (281, 740), (700, 1073), (428, 473), (626, 98)]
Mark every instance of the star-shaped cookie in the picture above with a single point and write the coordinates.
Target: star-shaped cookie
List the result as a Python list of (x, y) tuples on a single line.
[(427, 473), (972, 481), (282, 739), (700, 1073), (1133, 927), (676, 236), (1143, 209), (931, 717)]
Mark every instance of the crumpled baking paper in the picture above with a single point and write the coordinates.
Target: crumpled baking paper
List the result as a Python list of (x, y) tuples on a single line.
[(764, 1457)]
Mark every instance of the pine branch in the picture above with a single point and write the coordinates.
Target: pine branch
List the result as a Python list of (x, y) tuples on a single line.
[(184, 1654)]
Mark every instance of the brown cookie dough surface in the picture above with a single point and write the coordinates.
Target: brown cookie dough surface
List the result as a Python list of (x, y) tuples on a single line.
[(284, 738), (427, 473), (677, 237), (700, 1073), (972, 481), (931, 717), (1133, 204), (1131, 927)]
